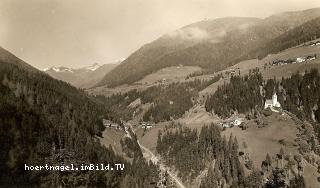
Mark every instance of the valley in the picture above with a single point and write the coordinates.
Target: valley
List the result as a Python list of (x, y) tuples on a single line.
[(231, 102), (280, 132)]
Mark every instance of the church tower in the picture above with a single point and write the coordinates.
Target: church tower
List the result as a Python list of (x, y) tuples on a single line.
[(274, 99)]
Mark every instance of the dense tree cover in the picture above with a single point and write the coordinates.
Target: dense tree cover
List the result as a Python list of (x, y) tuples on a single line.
[(171, 102), (168, 100), (117, 105), (130, 145), (300, 95), (45, 121), (241, 95), (296, 36), (191, 153), (283, 170)]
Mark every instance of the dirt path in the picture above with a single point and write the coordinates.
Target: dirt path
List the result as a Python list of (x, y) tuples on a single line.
[(150, 156)]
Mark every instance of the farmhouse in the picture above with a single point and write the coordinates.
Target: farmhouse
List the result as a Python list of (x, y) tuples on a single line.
[(270, 103), (146, 125), (106, 123), (301, 59), (311, 57), (229, 124), (237, 122), (114, 125)]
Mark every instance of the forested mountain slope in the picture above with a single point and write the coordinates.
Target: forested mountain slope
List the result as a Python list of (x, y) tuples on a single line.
[(230, 43), (299, 35), (45, 121)]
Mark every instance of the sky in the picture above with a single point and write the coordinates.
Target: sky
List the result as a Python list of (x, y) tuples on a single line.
[(77, 33)]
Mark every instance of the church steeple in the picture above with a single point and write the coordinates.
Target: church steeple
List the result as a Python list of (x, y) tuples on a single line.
[(274, 99)]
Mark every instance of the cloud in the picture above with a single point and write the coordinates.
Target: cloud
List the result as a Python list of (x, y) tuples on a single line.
[(190, 33)]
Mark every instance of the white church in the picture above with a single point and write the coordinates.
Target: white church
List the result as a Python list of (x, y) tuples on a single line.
[(270, 103)]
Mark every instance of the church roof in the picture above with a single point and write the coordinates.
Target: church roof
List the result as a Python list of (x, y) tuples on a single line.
[(268, 101)]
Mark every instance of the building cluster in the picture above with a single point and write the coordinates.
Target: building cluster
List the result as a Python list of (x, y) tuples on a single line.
[(123, 126), (232, 72), (231, 123), (146, 125), (109, 124), (293, 61), (316, 43)]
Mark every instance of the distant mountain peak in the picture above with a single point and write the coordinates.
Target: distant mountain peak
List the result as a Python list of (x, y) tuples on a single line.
[(93, 67), (58, 69), (80, 77)]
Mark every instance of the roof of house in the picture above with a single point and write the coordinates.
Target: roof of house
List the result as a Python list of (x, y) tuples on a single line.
[(107, 121), (268, 101)]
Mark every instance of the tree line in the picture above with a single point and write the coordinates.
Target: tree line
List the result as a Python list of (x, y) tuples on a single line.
[(45, 121), (169, 101)]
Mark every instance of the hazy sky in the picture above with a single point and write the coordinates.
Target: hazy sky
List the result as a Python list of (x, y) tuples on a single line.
[(78, 33)]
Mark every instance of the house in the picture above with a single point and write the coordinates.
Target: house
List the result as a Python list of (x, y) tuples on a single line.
[(301, 59), (230, 124), (277, 62), (237, 122), (310, 57), (106, 123), (289, 61), (232, 72), (114, 125), (227, 125), (270, 103), (146, 125)]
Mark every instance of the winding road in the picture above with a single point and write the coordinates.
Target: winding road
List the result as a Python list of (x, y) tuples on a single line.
[(150, 156)]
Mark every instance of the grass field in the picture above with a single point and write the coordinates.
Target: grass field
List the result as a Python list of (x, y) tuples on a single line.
[(112, 137), (149, 138), (261, 141), (287, 70), (170, 74)]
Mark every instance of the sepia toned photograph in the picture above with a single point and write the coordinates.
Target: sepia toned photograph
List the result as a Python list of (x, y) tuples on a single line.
[(160, 93)]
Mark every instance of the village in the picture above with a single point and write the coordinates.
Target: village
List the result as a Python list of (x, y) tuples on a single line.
[(124, 126), (305, 59)]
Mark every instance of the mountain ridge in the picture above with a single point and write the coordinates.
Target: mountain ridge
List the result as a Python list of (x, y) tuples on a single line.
[(213, 55), (83, 77)]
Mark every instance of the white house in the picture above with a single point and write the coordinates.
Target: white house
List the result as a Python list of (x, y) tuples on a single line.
[(147, 126), (301, 59), (237, 122), (272, 102)]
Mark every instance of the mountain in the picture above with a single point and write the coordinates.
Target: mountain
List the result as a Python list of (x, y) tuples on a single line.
[(83, 77), (308, 31), (45, 121), (210, 44), (6, 56)]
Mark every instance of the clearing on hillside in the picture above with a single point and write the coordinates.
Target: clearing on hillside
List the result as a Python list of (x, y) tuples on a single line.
[(169, 74), (268, 139)]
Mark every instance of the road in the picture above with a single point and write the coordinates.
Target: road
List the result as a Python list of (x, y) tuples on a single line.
[(150, 156)]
